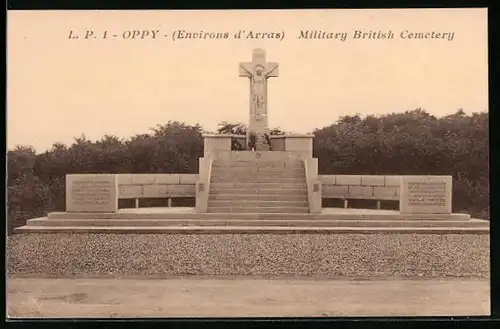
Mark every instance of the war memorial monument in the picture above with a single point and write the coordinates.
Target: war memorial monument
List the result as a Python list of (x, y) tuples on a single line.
[(271, 186)]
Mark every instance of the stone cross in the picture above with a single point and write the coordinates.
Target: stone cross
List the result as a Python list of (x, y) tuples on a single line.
[(258, 71)]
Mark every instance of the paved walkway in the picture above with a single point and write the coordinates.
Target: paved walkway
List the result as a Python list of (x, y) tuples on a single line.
[(206, 297)]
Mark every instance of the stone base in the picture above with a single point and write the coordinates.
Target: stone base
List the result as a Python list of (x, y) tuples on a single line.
[(187, 221)]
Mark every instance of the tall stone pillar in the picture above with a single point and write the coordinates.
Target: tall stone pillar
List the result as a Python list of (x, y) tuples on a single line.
[(258, 71)]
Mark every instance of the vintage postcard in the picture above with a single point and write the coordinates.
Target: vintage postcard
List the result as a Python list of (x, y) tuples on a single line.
[(248, 163)]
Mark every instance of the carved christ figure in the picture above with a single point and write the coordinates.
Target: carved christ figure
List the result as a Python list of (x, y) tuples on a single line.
[(258, 103), (258, 71), (260, 75)]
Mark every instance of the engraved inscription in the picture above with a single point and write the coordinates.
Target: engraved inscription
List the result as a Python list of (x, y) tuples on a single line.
[(427, 193), (91, 193), (88, 192)]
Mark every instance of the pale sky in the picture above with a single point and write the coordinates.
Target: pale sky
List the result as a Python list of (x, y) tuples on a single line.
[(59, 88)]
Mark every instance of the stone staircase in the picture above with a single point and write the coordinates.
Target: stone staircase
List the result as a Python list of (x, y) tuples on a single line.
[(258, 186)]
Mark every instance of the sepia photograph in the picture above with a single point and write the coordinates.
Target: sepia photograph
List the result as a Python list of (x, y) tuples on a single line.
[(247, 163)]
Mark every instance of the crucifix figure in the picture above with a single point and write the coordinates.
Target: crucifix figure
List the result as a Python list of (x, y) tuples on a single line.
[(258, 71)]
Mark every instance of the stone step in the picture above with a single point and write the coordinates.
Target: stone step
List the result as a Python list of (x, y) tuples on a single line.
[(253, 203), (254, 169), (245, 179), (249, 230), (258, 197), (250, 209), (259, 163), (282, 173), (258, 186), (255, 191), (190, 213), (251, 222), (256, 175), (179, 215)]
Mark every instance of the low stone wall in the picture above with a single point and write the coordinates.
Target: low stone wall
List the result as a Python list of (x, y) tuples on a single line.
[(133, 186), (291, 255), (360, 187)]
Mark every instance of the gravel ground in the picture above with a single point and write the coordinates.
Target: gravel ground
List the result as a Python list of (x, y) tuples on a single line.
[(332, 255)]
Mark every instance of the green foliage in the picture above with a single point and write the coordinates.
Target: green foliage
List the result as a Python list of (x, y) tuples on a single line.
[(236, 145), (276, 132), (241, 129), (232, 128), (413, 142)]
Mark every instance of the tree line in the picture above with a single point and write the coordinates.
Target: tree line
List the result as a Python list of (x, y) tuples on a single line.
[(414, 142)]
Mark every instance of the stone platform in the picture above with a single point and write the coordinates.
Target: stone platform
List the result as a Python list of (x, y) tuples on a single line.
[(178, 220)]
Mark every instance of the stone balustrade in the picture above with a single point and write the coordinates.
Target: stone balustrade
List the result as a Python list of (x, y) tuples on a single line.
[(361, 187), (139, 186)]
